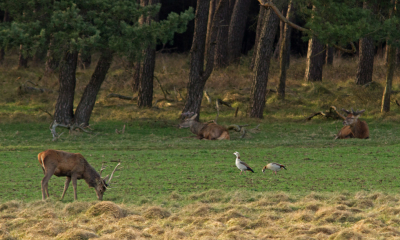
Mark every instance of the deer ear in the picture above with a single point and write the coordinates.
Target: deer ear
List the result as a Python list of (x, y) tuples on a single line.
[(194, 117)]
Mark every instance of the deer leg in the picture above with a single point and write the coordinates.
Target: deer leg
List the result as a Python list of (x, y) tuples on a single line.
[(74, 181), (45, 183), (67, 181)]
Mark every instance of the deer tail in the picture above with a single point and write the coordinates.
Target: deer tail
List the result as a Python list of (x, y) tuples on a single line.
[(41, 161)]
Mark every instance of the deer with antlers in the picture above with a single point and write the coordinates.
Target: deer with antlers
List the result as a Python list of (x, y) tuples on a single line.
[(209, 131), (353, 127), (73, 166)]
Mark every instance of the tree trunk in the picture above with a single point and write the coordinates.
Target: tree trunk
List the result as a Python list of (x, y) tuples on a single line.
[(85, 58), (260, 23), (136, 76), (221, 48), (283, 54), (329, 55), (145, 94), (65, 103), (315, 60), (198, 76), (88, 100), (52, 61), (237, 29), (281, 30), (264, 54), (2, 53), (389, 78), (211, 11), (366, 61), (23, 60)]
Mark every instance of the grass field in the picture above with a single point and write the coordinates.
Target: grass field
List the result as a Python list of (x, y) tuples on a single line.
[(173, 186)]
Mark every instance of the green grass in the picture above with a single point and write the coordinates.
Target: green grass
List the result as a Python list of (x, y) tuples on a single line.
[(159, 159)]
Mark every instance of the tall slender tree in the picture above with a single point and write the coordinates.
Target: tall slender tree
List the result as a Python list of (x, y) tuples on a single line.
[(260, 23), (221, 59), (198, 74), (237, 29), (261, 69)]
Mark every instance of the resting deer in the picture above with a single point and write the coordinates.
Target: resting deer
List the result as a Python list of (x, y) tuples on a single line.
[(73, 166), (209, 131), (354, 128)]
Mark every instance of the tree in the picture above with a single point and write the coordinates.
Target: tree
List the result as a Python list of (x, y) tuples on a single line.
[(261, 69), (221, 47), (329, 55), (260, 23), (315, 59), (237, 29), (198, 75), (283, 53), (366, 61), (107, 26), (145, 93)]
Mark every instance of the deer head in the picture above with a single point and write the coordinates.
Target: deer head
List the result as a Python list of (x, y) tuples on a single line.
[(189, 118), (104, 183), (352, 116)]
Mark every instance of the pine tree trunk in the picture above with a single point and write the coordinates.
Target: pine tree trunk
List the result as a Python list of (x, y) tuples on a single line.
[(22, 61), (281, 30), (145, 93), (260, 23), (211, 11), (264, 54), (366, 61), (85, 58), (88, 100), (389, 78), (65, 103), (198, 76), (2, 53), (283, 53), (6, 18), (315, 61), (329, 55), (136, 76), (237, 29), (52, 61), (221, 48)]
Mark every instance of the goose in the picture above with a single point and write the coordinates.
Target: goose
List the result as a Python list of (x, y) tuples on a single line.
[(275, 167), (241, 165)]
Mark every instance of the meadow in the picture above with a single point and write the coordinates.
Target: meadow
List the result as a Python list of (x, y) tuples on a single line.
[(173, 186)]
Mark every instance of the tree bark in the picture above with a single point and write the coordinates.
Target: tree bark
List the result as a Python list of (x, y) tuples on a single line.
[(237, 29), (366, 61), (281, 32), (283, 54), (23, 60), (52, 61), (85, 58), (260, 23), (88, 100), (315, 60), (136, 76), (264, 54), (65, 103), (145, 93), (6, 18), (198, 76), (329, 55), (221, 48), (389, 78), (211, 11)]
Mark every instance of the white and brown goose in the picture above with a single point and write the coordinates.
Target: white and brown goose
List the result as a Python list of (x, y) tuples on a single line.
[(275, 167), (242, 165)]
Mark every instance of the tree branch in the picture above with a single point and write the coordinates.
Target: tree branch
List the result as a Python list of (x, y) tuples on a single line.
[(293, 25)]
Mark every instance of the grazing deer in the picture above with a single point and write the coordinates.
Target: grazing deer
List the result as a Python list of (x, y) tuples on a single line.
[(354, 128), (73, 166), (209, 131)]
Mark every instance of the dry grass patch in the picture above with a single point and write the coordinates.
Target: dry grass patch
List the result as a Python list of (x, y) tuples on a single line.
[(288, 217)]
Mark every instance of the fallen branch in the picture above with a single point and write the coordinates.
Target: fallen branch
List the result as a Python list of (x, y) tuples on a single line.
[(114, 95), (25, 89), (70, 127), (46, 112), (120, 132), (162, 89), (239, 128), (207, 96), (328, 114)]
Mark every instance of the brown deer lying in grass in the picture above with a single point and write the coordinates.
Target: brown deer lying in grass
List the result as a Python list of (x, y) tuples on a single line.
[(209, 131), (354, 128), (73, 166)]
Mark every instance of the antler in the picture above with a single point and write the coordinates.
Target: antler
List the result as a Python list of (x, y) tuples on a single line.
[(357, 112), (109, 180), (102, 168), (346, 111)]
